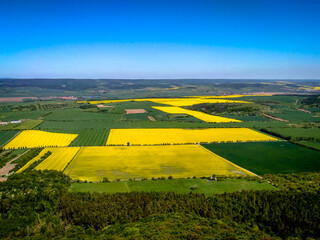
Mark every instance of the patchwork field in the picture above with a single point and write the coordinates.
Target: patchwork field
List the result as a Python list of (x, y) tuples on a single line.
[(202, 116), (271, 157), (36, 138), (188, 101), (29, 124), (298, 133), (11, 116), (95, 163), (35, 159), (157, 136), (94, 137), (58, 160)]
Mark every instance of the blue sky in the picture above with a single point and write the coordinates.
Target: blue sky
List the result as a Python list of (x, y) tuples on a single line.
[(160, 39)]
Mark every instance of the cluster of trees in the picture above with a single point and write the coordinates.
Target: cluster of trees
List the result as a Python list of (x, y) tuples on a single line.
[(303, 181), (21, 161), (229, 108), (38, 205), (42, 106), (36, 163), (293, 139), (6, 156), (311, 101)]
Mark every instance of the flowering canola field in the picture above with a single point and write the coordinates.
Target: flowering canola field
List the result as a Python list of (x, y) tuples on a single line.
[(188, 101), (37, 138), (155, 136), (122, 162), (202, 116), (59, 158)]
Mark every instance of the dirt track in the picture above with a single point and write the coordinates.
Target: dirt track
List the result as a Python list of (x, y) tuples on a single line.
[(151, 119), (9, 166), (274, 118)]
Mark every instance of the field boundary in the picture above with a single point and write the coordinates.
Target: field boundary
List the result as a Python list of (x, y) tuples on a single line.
[(245, 170), (19, 131), (77, 153)]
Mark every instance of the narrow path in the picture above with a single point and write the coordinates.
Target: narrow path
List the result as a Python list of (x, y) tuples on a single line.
[(127, 187), (303, 110), (275, 118), (9, 166)]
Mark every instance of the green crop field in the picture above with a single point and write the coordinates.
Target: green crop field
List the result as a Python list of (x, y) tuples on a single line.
[(77, 125), (77, 114), (12, 116), (8, 127), (311, 144), (283, 100), (269, 157), (247, 118), (6, 136), (173, 185), (297, 133), (295, 115), (29, 124), (95, 137)]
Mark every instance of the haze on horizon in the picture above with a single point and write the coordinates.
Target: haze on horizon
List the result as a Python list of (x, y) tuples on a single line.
[(266, 39)]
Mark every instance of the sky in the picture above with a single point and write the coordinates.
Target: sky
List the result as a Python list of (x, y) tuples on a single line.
[(242, 39)]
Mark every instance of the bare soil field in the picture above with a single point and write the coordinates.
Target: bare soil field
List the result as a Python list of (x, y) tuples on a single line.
[(15, 99), (102, 106), (133, 111)]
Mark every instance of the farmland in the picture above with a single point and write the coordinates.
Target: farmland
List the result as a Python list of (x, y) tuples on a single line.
[(29, 124), (95, 137), (179, 102), (6, 136), (36, 138), (59, 158), (164, 149), (172, 121), (183, 136), (298, 134), (271, 157), (96, 163), (202, 116), (174, 185)]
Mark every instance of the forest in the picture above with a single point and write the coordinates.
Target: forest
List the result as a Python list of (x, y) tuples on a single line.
[(38, 205)]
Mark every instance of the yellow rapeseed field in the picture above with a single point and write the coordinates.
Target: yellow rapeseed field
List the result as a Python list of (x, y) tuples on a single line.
[(179, 161), (232, 96), (179, 102), (37, 158), (202, 116), (187, 101), (37, 138), (58, 160), (156, 136)]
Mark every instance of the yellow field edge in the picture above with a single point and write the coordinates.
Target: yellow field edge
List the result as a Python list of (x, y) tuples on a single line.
[(243, 169)]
